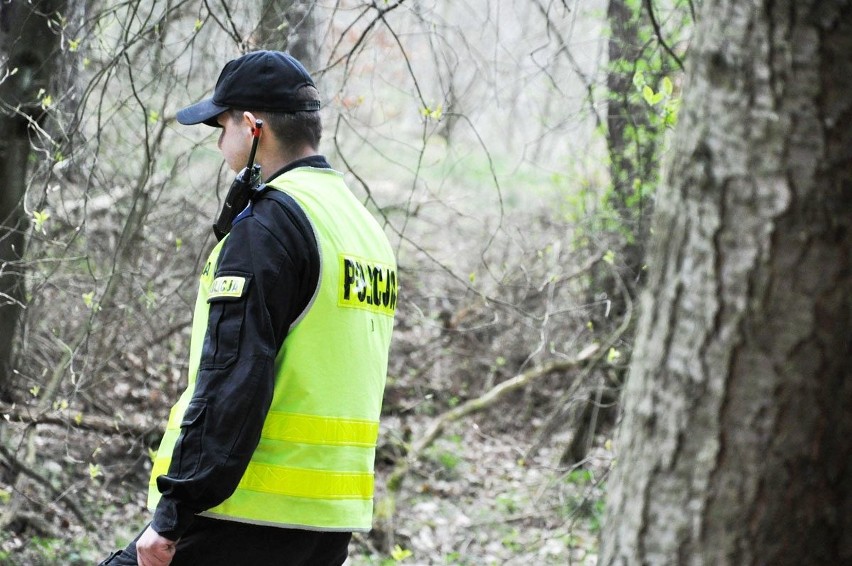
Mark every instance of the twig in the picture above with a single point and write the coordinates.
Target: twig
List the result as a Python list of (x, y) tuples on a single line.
[(575, 66), (380, 14), (650, 7), (233, 32)]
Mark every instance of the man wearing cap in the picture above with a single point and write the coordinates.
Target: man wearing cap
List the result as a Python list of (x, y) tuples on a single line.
[(267, 457)]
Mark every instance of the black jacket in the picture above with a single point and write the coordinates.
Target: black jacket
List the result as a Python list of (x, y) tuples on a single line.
[(273, 246)]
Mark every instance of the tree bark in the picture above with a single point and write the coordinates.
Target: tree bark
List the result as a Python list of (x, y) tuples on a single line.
[(631, 161), (27, 50), (634, 132), (736, 441), (289, 25)]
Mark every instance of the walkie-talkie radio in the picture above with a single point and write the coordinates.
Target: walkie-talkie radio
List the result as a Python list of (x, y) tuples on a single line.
[(241, 189)]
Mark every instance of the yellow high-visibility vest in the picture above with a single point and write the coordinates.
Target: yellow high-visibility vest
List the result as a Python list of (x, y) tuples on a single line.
[(313, 467)]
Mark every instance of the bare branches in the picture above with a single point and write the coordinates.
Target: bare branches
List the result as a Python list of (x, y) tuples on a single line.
[(496, 394), (230, 29), (557, 419), (565, 50), (649, 7), (381, 12)]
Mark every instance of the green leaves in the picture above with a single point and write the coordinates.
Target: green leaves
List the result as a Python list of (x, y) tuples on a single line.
[(663, 101), (88, 299), (39, 219), (612, 355), (95, 471), (399, 554), (650, 96), (668, 87), (46, 99), (432, 113)]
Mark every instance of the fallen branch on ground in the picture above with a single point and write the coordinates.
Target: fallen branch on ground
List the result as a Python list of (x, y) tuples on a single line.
[(107, 425), (490, 398)]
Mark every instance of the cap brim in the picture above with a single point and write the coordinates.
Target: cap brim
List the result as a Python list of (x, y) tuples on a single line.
[(203, 112)]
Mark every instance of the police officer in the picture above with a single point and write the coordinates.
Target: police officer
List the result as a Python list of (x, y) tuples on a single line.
[(267, 457)]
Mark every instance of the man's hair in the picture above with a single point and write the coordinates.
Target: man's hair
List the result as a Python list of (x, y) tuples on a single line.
[(293, 130)]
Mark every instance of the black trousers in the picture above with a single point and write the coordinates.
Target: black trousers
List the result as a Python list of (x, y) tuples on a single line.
[(214, 542)]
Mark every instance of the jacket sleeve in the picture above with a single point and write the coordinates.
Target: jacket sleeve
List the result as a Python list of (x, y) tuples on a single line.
[(269, 270)]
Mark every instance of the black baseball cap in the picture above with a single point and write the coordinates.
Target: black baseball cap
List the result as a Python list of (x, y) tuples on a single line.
[(260, 80)]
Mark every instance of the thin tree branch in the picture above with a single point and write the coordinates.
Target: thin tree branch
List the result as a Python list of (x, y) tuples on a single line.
[(658, 32), (233, 33), (575, 66), (358, 43)]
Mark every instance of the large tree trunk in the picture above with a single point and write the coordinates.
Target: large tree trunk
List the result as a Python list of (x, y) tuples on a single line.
[(736, 441), (28, 45)]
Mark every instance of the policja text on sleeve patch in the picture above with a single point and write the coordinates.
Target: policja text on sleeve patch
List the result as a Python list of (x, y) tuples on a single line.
[(227, 287)]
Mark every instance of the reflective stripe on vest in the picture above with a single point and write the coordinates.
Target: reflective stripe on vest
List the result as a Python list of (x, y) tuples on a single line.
[(297, 482), (313, 467)]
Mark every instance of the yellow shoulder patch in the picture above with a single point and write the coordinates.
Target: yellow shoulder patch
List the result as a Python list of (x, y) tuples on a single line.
[(230, 287)]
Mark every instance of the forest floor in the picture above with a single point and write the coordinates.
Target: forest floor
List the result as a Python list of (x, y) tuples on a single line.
[(471, 499), (474, 499)]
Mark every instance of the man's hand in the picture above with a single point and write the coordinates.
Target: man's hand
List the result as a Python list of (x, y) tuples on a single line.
[(154, 550)]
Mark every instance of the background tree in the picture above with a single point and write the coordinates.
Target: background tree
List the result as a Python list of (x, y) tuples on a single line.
[(29, 43), (642, 65), (289, 25), (645, 42), (736, 441)]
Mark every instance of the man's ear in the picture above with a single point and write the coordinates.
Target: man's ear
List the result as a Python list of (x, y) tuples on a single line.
[(249, 120)]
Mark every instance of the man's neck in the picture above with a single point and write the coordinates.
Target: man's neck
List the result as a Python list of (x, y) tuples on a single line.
[(279, 160), (316, 161)]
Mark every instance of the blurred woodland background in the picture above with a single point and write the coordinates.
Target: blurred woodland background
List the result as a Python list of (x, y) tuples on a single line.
[(512, 150)]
